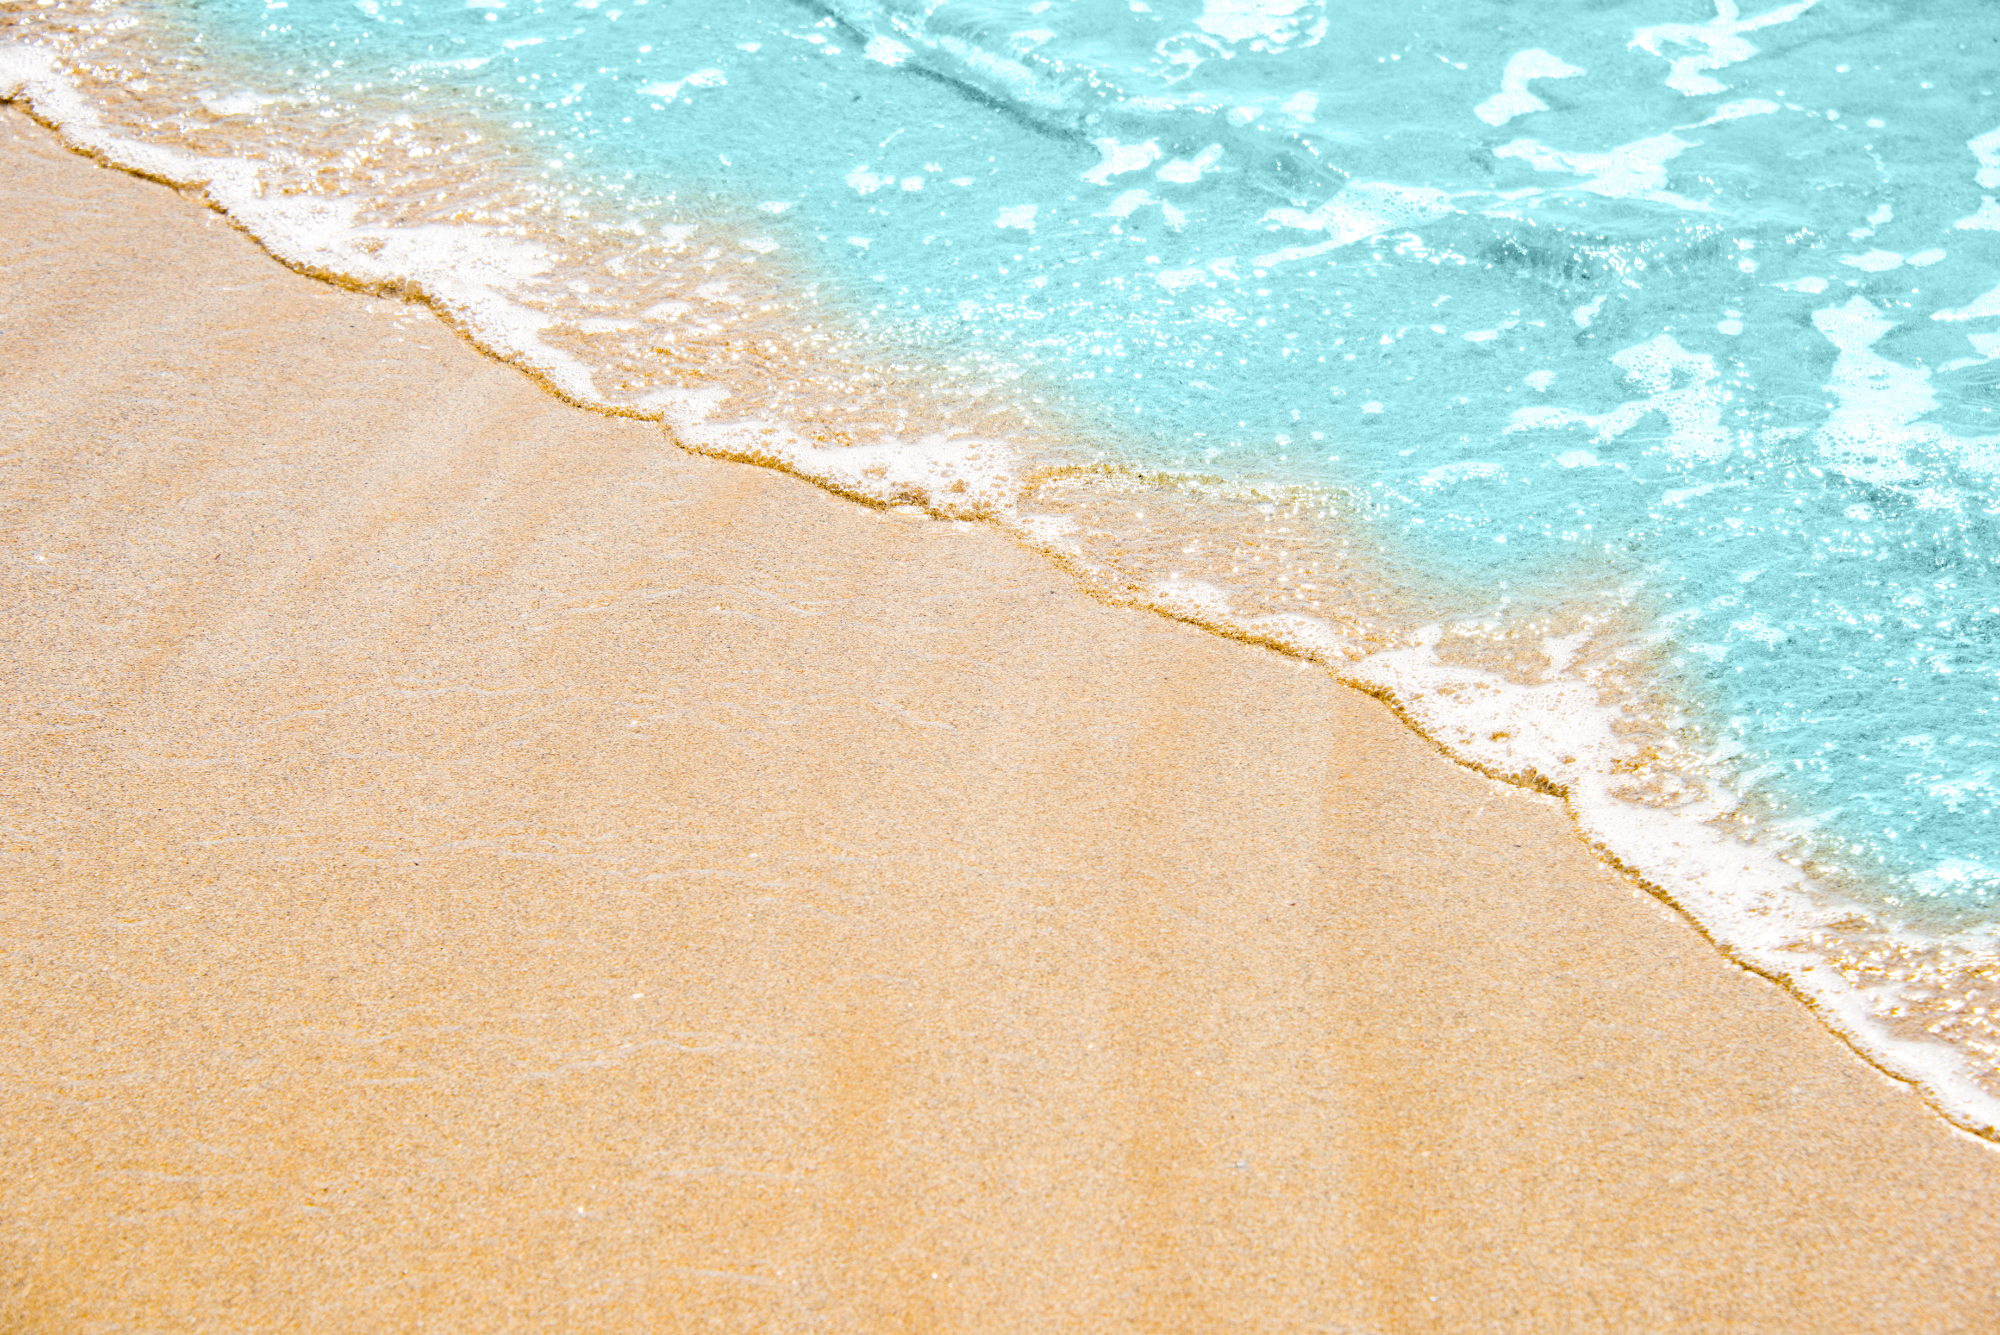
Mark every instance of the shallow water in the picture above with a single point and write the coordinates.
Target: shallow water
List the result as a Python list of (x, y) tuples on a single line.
[(1612, 386)]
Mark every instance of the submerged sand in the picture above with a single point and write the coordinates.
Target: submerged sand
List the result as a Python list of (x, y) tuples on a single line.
[(471, 866)]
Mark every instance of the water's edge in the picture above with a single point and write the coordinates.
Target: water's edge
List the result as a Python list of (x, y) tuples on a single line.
[(1761, 911)]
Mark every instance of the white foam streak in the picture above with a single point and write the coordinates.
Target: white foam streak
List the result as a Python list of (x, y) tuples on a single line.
[(472, 275), (1127, 204), (1186, 171), (1719, 44), (709, 78), (1514, 99), (1981, 308), (1875, 261), (1755, 904), (1736, 111), (1693, 410), (1987, 219), (887, 51), (1193, 598), (1631, 171), (1868, 435), (1122, 158), (1268, 25), (959, 475), (465, 271), (1019, 216), (1986, 148), (1364, 209)]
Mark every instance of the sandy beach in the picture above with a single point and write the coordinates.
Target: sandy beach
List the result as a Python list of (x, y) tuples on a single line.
[(472, 865)]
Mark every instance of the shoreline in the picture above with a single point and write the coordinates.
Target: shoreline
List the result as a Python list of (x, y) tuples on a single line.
[(1770, 910), (576, 876)]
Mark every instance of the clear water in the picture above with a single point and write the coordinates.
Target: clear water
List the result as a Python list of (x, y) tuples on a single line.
[(1616, 385)]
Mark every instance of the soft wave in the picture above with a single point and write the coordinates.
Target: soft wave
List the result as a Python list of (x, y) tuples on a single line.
[(702, 317)]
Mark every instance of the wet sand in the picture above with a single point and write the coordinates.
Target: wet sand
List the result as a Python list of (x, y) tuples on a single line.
[(472, 866)]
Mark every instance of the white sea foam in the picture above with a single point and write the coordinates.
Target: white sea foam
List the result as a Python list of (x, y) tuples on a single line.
[(1987, 219), (1127, 204), (1021, 216), (1756, 904), (1122, 158), (1637, 170), (1193, 597), (1266, 25), (1710, 46), (1871, 432), (1681, 387), (1514, 99), (474, 274), (1736, 111), (887, 50), (1986, 307), (1362, 210), (465, 271), (241, 103), (1875, 261), (1186, 171), (1561, 734), (1986, 148), (705, 78), (1463, 470)]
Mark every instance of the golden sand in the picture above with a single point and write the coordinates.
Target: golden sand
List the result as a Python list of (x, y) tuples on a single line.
[(472, 866)]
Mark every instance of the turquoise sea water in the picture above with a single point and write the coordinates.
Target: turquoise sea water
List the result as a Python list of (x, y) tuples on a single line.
[(1636, 363)]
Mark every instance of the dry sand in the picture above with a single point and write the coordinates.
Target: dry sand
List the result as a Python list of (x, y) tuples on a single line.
[(473, 866)]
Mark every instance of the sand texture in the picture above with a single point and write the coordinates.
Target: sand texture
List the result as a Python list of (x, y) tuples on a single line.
[(472, 866)]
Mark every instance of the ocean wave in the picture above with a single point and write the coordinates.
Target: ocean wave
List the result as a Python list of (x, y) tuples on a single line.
[(704, 315)]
